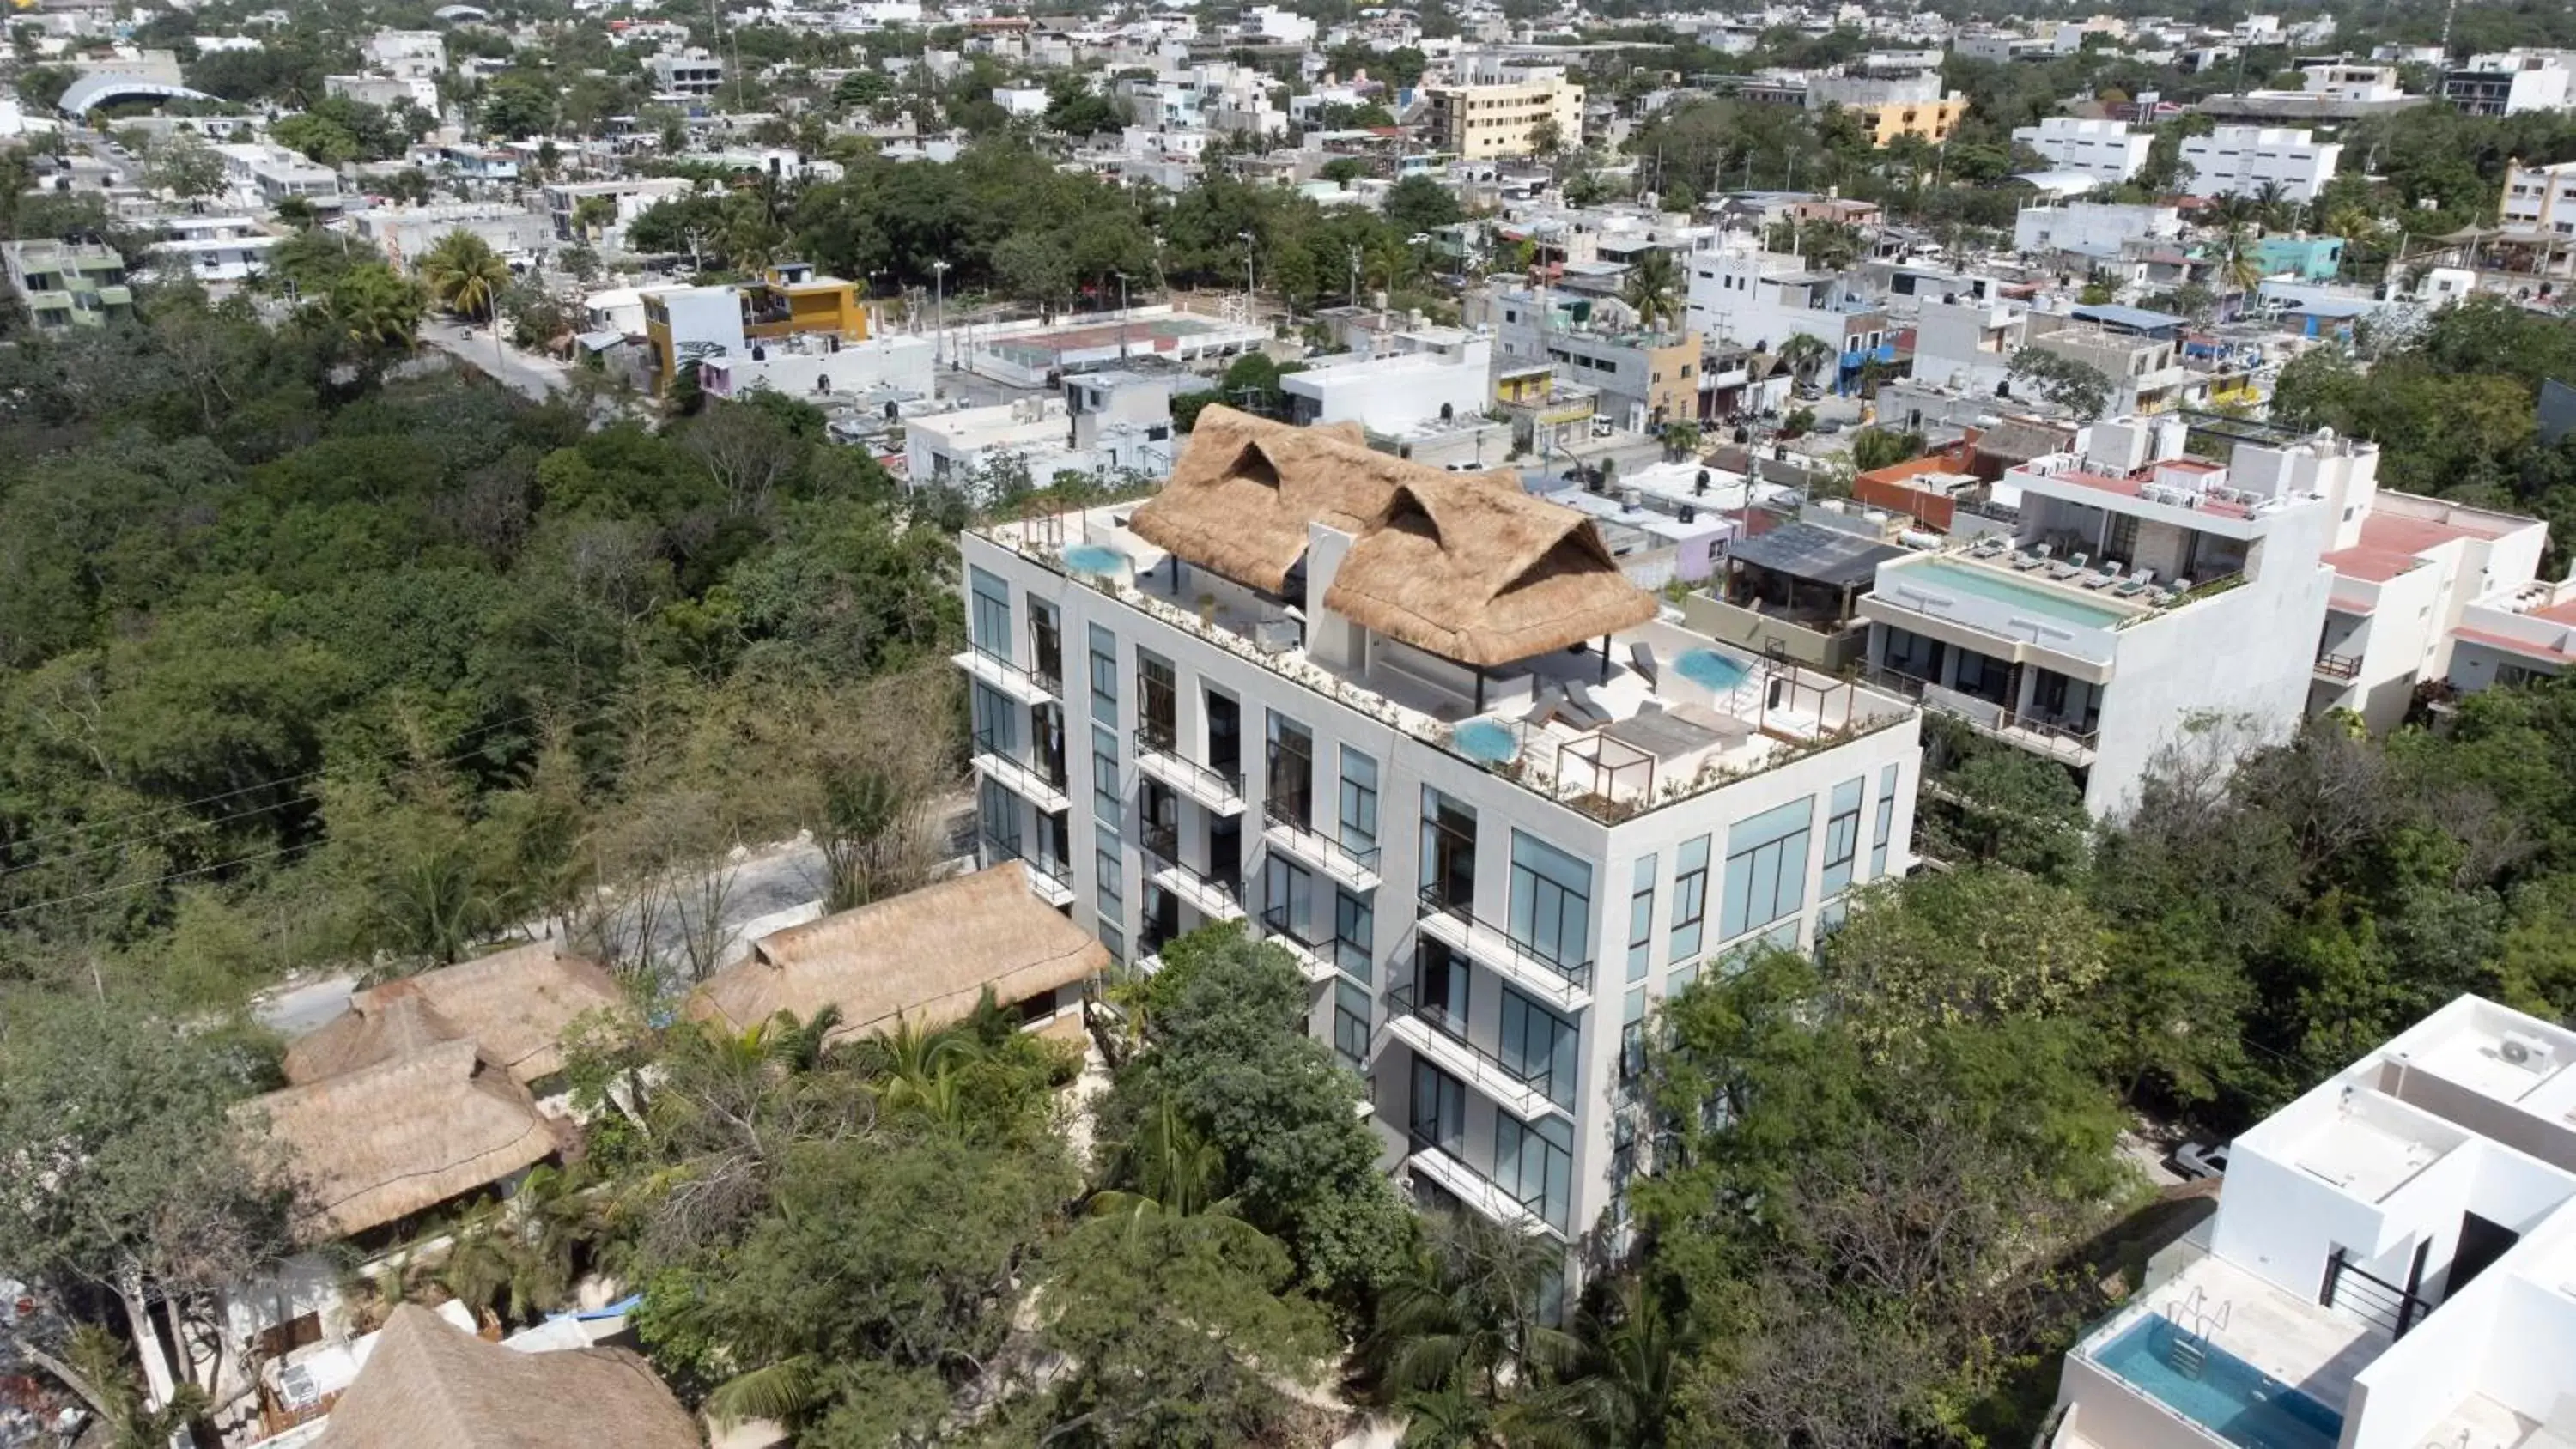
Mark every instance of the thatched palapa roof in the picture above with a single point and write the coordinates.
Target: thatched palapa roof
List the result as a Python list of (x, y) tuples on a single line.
[(1470, 568), (516, 1003), (925, 956), (385, 1141), (428, 1384), (1244, 490)]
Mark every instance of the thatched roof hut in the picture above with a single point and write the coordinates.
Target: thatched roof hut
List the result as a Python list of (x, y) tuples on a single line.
[(1482, 573), (428, 1384), (1467, 566), (515, 1003), (924, 956), (1244, 490), (383, 1142)]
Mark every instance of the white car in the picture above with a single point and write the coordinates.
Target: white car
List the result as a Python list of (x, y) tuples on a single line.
[(2201, 1159)]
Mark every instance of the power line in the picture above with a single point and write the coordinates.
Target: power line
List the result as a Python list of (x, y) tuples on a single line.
[(140, 884)]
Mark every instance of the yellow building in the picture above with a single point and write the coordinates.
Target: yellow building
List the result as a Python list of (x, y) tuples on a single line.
[(1931, 120), (790, 300), (1479, 122)]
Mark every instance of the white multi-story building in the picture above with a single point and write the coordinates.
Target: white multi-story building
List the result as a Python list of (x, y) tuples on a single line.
[(1417, 728), (2137, 588), (1742, 295), (2512, 82), (264, 175), (2411, 574), (2539, 199), (2392, 1265), (2107, 151), (213, 249), (690, 72), (409, 54), (604, 226), (1022, 99), (2242, 160), (1436, 373)]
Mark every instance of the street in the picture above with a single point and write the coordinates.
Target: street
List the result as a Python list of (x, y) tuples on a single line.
[(531, 377)]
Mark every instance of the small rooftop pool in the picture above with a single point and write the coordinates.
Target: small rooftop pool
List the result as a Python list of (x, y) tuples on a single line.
[(1485, 741), (1709, 668), (2217, 1390), (1094, 558)]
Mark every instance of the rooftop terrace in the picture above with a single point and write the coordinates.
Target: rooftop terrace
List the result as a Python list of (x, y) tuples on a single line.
[(1665, 716)]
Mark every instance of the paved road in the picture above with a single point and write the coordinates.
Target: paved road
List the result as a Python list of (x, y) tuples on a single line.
[(531, 377)]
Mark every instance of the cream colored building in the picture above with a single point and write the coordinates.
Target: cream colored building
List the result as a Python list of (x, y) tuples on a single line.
[(1477, 121)]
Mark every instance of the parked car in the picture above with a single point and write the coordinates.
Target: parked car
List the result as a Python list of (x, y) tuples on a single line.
[(2201, 1159)]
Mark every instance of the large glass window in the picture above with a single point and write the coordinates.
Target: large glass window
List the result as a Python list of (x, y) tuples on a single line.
[(1886, 822), (1107, 805), (1535, 1164), (988, 621), (1290, 783), (1539, 1045), (997, 723), (1104, 676), (997, 813), (1158, 688), (1766, 868), (1641, 917), (1842, 837), (1448, 852), (1287, 899), (1551, 901), (1046, 646), (1355, 935), (1439, 1117), (1351, 1024), (1690, 898), (1112, 872), (1440, 984), (1359, 801)]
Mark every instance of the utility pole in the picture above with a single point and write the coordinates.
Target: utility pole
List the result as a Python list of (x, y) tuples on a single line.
[(1251, 287), (939, 306), (1122, 316)]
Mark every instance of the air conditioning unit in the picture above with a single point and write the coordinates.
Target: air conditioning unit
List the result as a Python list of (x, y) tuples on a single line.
[(2526, 1051)]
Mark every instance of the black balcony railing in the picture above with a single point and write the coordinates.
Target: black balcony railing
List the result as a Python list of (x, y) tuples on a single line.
[(1003, 663), (1403, 1001), (1436, 900), (1159, 742), (1285, 815), (1421, 1140), (1163, 843), (1046, 765)]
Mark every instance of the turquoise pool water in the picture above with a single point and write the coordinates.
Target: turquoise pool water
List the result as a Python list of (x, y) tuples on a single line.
[(1485, 740), (1093, 558), (1710, 668), (2230, 1397), (2005, 589)]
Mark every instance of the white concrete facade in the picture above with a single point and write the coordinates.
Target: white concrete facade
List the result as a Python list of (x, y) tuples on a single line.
[(2392, 1265), (2140, 589), (2407, 572), (2093, 228), (1178, 750), (2242, 160), (1441, 374), (2107, 151)]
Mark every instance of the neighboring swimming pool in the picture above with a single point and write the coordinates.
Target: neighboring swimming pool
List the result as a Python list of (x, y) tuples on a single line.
[(2230, 1397), (1486, 741), (1092, 558), (2004, 589), (1711, 669)]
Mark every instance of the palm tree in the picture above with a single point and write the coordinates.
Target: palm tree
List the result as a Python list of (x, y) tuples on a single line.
[(1620, 1390), (1803, 353), (1469, 1317), (2239, 267), (1652, 281), (377, 305), (465, 274), (99, 1358), (2356, 228), (2271, 202)]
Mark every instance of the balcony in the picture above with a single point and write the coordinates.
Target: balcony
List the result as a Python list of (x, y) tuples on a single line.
[(1301, 842), (1159, 756), (1563, 985), (1478, 1192), (2063, 740), (1217, 897), (1008, 678), (1049, 880), (1315, 960), (2338, 666), (1043, 788), (1430, 1032)]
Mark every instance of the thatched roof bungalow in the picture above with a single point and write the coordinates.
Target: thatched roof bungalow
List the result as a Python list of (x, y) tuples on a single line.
[(428, 1384), (376, 1145), (515, 1004), (1466, 566), (923, 957)]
